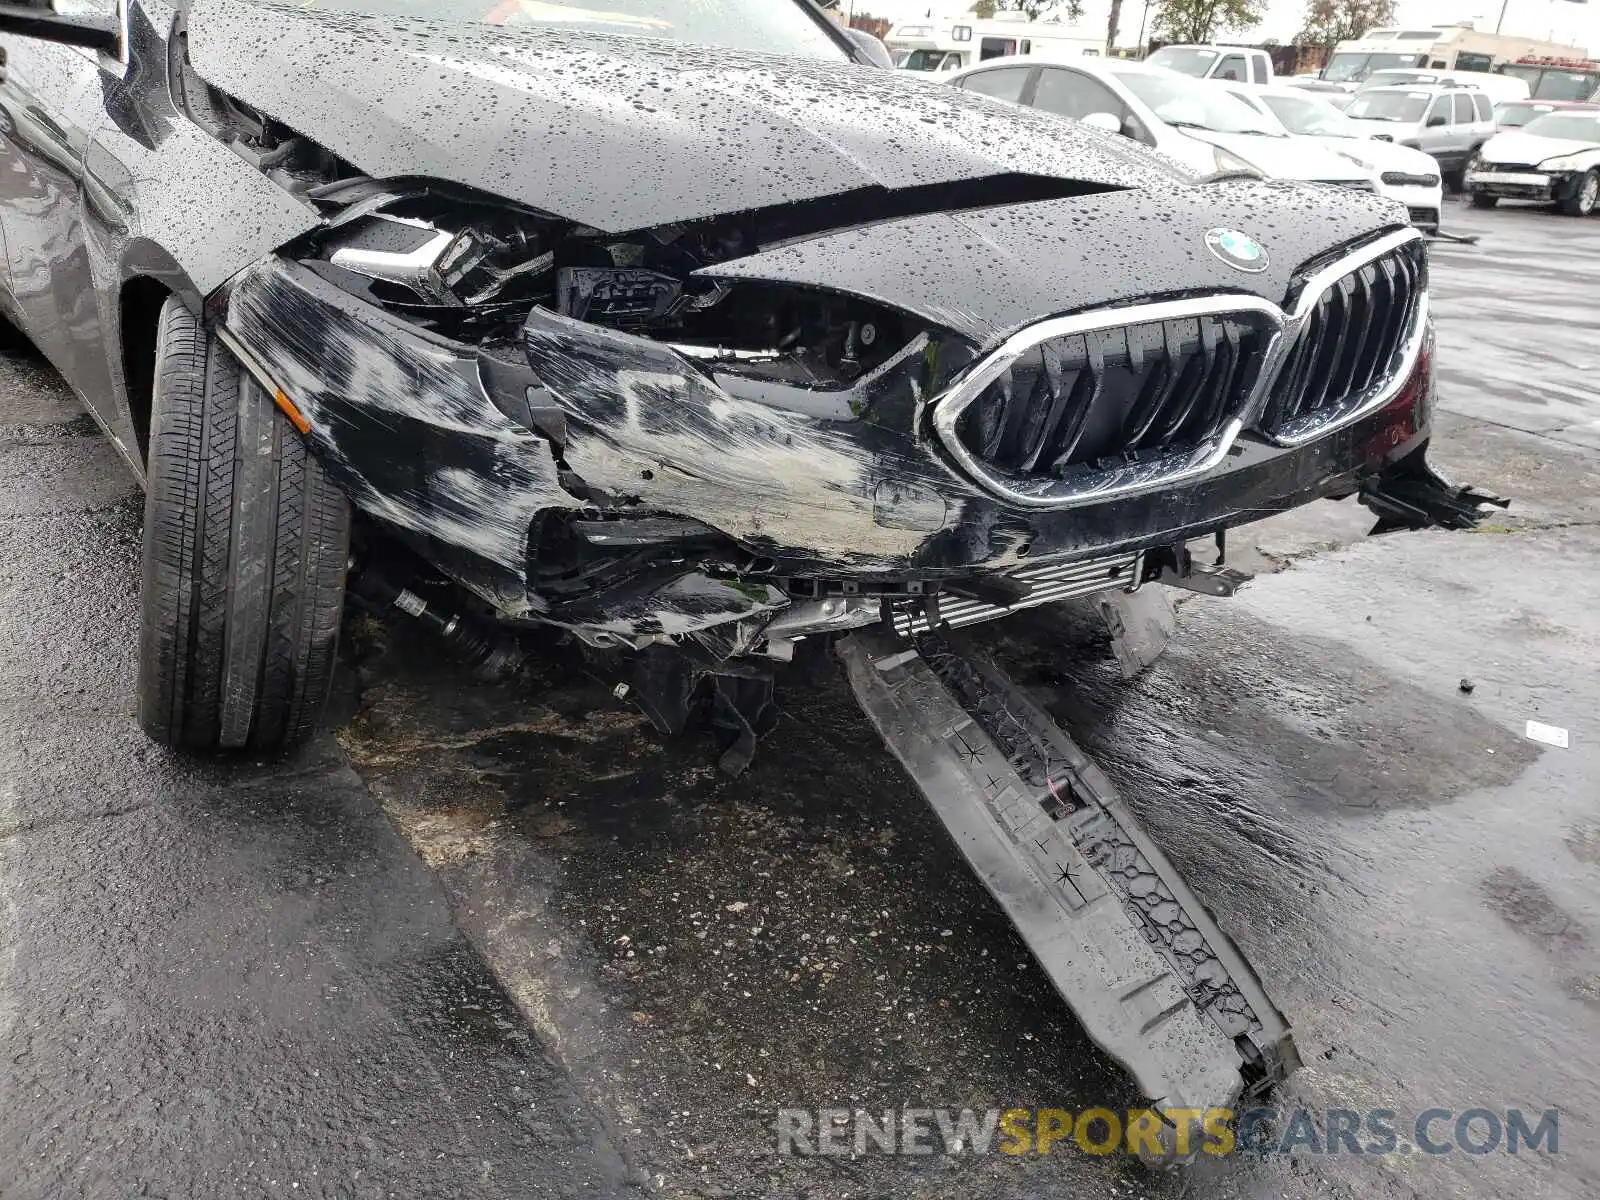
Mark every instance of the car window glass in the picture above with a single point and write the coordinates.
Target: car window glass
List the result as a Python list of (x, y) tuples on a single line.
[(1484, 109), (1518, 114), (1463, 109), (1440, 108), (1311, 117), (1400, 107), (1191, 102), (1232, 67), (1186, 60), (1573, 126), (1074, 95), (1563, 85), (1003, 83), (778, 28)]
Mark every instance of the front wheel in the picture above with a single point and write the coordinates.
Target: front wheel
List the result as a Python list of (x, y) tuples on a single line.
[(245, 550), (1584, 197), (1480, 200)]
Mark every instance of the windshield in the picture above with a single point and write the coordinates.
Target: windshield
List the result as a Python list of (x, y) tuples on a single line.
[(774, 26), (1388, 78), (1550, 83), (1566, 85), (1186, 60), (1350, 67), (1518, 114), (926, 60), (1187, 102), (1310, 118), (1406, 107), (1571, 126)]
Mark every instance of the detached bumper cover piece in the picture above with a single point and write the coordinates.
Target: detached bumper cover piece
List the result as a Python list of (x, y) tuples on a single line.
[(1412, 495), (1144, 966)]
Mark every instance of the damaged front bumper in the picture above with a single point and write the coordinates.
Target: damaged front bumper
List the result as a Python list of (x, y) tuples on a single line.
[(588, 478), (1546, 187)]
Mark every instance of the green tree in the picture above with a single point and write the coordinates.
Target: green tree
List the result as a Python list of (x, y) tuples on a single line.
[(983, 9), (1202, 20), (1072, 10), (1331, 21)]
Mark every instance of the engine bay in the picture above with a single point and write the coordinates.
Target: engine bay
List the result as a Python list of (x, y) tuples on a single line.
[(474, 270)]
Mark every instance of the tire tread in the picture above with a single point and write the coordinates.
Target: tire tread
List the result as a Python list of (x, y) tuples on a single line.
[(244, 558)]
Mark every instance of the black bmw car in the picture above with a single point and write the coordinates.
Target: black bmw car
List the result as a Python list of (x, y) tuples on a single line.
[(670, 323)]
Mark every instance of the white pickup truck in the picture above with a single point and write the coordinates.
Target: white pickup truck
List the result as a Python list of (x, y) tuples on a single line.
[(1242, 64)]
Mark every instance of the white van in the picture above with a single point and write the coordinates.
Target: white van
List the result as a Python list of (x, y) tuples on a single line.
[(941, 44), (1439, 47)]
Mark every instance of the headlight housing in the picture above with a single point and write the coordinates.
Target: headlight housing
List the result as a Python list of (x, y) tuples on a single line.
[(477, 270), (1566, 162), (1228, 161)]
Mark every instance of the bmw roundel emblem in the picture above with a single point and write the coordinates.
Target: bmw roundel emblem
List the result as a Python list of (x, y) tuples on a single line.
[(1238, 250)]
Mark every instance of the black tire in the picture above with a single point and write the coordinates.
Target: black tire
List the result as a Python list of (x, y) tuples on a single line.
[(1481, 200), (245, 551), (1585, 196)]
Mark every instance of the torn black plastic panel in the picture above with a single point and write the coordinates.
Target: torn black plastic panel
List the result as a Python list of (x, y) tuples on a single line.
[(1144, 966), (1412, 495)]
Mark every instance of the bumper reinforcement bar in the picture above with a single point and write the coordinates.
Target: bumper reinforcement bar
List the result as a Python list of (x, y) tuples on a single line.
[(1134, 953)]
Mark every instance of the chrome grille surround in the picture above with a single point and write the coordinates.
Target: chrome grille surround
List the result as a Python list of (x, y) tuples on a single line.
[(1345, 346), (1132, 478)]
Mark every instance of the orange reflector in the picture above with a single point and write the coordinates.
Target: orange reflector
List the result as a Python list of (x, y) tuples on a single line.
[(290, 411)]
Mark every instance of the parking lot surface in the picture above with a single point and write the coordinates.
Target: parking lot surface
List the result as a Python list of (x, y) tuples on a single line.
[(506, 941)]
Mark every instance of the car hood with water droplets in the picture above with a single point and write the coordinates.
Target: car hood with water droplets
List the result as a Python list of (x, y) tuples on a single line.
[(625, 133), (1004, 267)]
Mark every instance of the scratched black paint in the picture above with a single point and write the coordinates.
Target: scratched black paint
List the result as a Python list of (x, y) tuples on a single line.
[(965, 217), (392, 429)]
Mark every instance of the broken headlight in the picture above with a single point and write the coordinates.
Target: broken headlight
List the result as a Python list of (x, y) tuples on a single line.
[(471, 268), (407, 260)]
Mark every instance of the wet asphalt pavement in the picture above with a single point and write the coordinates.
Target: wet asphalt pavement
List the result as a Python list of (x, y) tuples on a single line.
[(504, 941)]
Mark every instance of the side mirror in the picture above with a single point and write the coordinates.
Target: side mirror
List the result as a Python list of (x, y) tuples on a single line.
[(1102, 120), (874, 51), (1432, 121), (94, 31)]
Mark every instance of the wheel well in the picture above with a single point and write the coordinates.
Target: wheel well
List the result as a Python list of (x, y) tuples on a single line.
[(142, 298)]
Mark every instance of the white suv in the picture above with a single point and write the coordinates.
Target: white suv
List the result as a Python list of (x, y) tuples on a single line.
[(1448, 123)]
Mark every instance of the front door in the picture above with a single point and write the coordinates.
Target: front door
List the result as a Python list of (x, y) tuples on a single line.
[(51, 101)]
